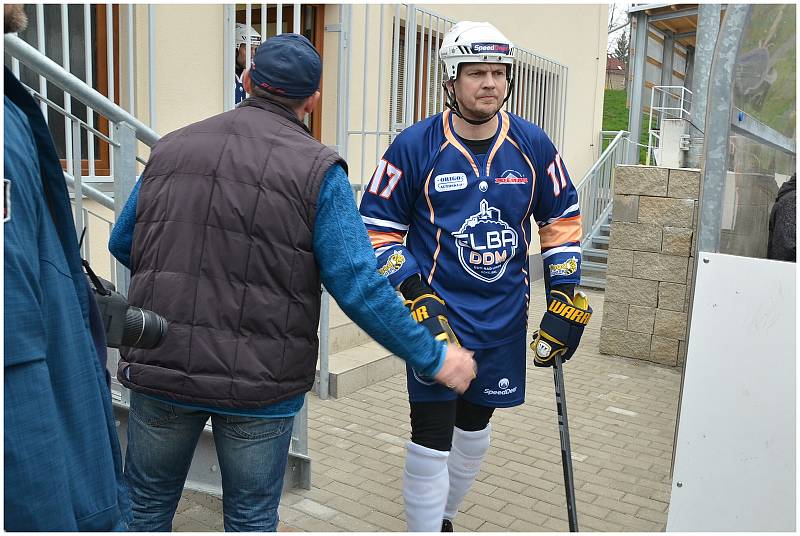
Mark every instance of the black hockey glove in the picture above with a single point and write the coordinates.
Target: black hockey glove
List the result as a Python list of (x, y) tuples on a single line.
[(561, 328), (427, 308)]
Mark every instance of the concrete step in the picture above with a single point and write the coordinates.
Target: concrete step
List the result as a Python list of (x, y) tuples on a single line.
[(358, 367), (601, 241), (593, 282), (344, 333), (595, 253), (605, 229), (593, 266)]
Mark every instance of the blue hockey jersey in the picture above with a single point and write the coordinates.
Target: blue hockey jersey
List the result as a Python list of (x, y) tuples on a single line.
[(463, 221)]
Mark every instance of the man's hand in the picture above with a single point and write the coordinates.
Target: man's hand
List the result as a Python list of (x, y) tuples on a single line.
[(458, 369), (561, 328)]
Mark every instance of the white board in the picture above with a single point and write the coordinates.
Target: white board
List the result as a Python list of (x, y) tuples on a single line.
[(735, 450)]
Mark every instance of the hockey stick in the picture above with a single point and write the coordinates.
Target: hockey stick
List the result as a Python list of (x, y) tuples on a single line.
[(566, 453)]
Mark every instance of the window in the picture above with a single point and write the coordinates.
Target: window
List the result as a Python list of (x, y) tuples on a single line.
[(78, 49), (312, 19)]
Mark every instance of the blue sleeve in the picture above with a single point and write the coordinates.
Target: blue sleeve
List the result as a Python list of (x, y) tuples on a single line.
[(347, 266), (121, 239), (387, 204), (24, 327), (36, 484), (557, 213), (36, 487)]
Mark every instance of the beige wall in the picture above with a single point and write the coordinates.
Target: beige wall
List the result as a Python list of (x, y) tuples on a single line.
[(188, 64)]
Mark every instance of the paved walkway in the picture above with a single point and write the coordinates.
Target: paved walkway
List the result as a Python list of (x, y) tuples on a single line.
[(622, 424)]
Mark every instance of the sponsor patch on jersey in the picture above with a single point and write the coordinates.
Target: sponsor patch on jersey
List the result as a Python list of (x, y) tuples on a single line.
[(449, 182), (393, 264), (6, 200), (568, 267), (490, 48), (511, 176), (485, 244)]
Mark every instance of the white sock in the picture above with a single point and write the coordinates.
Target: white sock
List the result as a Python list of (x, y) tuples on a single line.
[(425, 484), (464, 464)]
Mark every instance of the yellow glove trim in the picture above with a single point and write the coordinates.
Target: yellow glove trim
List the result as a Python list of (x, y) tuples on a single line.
[(570, 311)]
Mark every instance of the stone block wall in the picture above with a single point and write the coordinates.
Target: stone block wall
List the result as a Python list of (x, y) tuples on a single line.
[(650, 263)]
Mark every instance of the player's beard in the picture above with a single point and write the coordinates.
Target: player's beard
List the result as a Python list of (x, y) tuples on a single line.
[(480, 114), (14, 18)]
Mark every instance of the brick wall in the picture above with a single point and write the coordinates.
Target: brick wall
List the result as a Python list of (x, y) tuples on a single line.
[(650, 263)]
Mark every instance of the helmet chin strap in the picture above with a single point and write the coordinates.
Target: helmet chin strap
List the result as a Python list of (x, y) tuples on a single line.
[(452, 103)]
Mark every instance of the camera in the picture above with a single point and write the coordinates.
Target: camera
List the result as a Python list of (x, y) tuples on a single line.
[(125, 325)]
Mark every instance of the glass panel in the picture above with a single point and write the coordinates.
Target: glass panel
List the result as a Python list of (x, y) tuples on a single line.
[(764, 87)]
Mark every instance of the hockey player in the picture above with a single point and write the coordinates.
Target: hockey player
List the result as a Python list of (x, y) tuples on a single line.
[(448, 211), (243, 35)]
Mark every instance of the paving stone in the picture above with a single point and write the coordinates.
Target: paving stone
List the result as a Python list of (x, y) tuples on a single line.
[(386, 522), (315, 509), (520, 486), (616, 505), (634, 523), (466, 521), (352, 524), (659, 518)]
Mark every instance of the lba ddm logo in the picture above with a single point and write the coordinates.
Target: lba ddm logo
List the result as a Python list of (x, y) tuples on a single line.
[(485, 244)]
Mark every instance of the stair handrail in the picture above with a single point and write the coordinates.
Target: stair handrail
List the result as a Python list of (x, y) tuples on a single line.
[(595, 195), (79, 89)]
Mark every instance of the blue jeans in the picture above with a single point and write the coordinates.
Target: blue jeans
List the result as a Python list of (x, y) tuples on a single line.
[(252, 454)]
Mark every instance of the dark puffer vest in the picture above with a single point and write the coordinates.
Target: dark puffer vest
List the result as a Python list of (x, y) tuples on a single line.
[(223, 249)]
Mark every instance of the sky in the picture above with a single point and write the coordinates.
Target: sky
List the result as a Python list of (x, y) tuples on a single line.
[(619, 12)]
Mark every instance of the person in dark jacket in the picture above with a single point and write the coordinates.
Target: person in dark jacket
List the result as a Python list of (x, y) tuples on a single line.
[(233, 226), (783, 224), (62, 459)]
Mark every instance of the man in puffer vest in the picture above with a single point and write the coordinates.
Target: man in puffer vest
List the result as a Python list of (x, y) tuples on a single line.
[(232, 227)]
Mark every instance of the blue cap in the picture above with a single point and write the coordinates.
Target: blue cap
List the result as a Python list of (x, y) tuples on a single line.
[(287, 65)]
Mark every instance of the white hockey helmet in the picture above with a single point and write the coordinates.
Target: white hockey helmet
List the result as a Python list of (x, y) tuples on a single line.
[(474, 42), (241, 35)]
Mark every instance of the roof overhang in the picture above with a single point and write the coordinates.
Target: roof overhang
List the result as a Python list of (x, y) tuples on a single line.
[(676, 20)]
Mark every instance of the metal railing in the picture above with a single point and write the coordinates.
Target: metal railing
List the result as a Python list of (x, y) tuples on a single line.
[(666, 102), (123, 132), (596, 187)]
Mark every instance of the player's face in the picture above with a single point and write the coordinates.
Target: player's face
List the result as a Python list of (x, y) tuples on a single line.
[(241, 55), (480, 89)]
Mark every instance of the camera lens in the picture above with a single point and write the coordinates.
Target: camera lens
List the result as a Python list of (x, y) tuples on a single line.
[(143, 328)]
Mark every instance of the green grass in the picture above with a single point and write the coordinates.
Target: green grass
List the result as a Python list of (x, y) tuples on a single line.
[(615, 117)]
